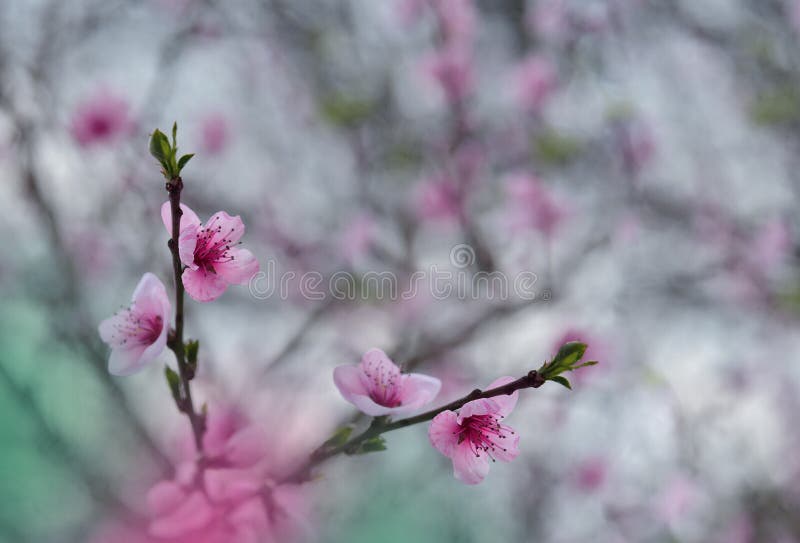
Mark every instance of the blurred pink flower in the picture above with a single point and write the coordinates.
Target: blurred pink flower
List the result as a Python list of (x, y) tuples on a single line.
[(770, 246), (474, 436), (535, 80), (229, 497), (550, 20), (377, 387), (636, 145), (451, 69), (358, 236), (457, 20), (678, 497), (794, 14), (591, 474), (410, 11), (102, 118), (438, 198), (210, 254), (215, 134), (533, 206), (138, 334)]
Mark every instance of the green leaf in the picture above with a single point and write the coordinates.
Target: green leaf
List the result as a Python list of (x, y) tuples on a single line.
[(175, 135), (373, 444), (159, 146), (344, 111), (554, 149), (569, 354), (184, 159), (174, 383), (777, 106), (192, 346), (563, 381), (339, 437)]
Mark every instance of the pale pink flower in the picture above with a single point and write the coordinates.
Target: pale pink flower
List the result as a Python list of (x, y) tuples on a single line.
[(451, 69), (475, 436), (210, 253), (377, 387), (214, 134), (770, 246), (358, 236), (533, 206), (679, 497), (138, 334), (410, 11), (794, 14), (438, 198), (535, 81), (550, 20), (102, 118), (591, 474)]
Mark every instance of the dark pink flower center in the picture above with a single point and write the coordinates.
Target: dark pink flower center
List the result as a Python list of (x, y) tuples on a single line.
[(136, 329), (213, 246), (100, 125), (485, 434), (385, 383)]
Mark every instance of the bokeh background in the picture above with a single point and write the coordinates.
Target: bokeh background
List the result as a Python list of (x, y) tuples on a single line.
[(640, 157)]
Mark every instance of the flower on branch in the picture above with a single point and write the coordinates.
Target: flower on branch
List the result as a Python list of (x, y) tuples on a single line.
[(474, 436), (377, 387), (138, 334), (210, 253)]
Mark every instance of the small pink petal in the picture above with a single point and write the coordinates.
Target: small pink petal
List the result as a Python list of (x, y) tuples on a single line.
[(193, 514), (505, 402), (187, 243), (202, 285), (418, 390), (246, 447), (467, 466), (225, 485), (482, 406), (189, 217), (164, 498), (443, 432), (348, 380), (240, 269), (370, 407), (231, 228)]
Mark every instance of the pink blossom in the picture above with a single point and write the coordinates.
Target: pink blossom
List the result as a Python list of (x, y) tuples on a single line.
[(377, 387), (591, 474), (636, 145), (438, 198), (679, 497), (535, 81), (550, 20), (138, 334), (215, 134), (794, 14), (770, 246), (475, 436), (210, 254), (456, 21), (231, 497), (451, 69), (358, 236), (102, 118), (533, 206)]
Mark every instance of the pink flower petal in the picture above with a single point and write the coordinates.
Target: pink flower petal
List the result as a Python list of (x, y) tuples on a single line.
[(368, 406), (164, 498), (230, 228), (193, 514), (505, 402), (246, 447), (467, 466), (240, 269), (225, 485), (418, 390), (482, 406), (189, 217), (124, 362), (443, 432), (202, 285), (187, 243), (348, 380), (511, 447)]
